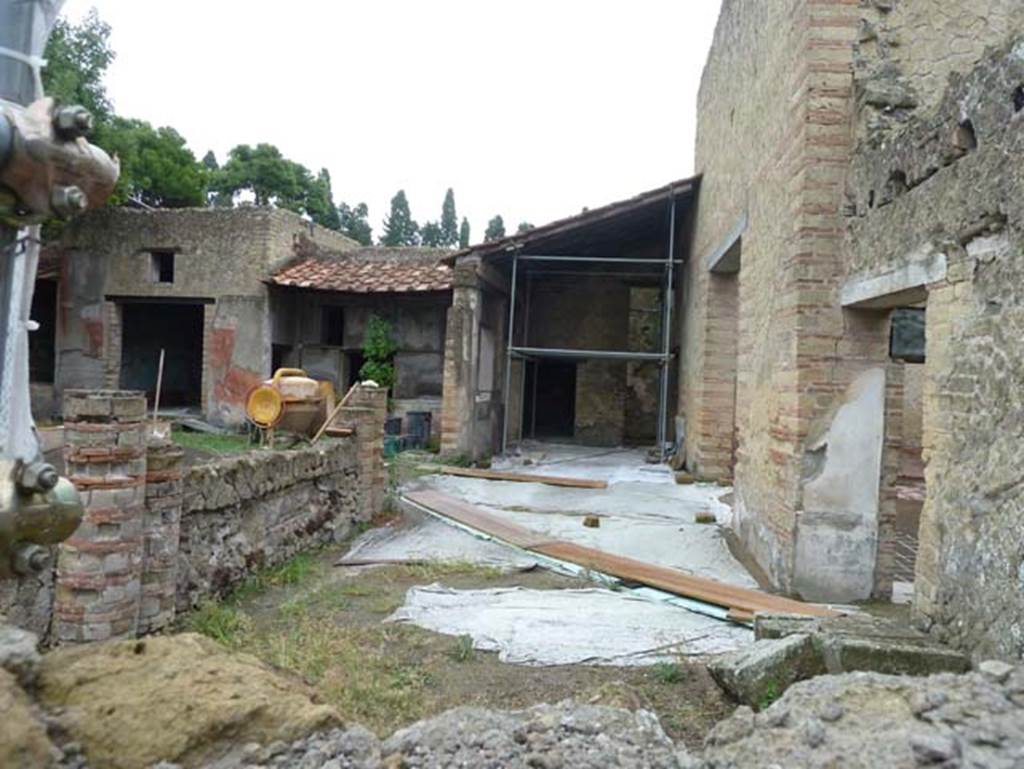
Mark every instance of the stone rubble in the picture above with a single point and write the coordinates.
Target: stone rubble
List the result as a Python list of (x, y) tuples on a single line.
[(98, 704), (792, 648)]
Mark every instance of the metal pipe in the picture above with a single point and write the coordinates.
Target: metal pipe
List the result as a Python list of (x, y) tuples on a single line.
[(508, 355), (556, 352), (607, 259), (666, 328), (653, 275)]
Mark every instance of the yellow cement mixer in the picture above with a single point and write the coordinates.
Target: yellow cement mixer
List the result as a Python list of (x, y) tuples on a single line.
[(290, 401)]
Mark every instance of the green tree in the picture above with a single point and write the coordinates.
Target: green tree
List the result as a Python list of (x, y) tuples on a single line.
[(464, 233), (449, 221), (355, 223), (263, 171), (379, 350), (431, 235), (399, 227), (78, 56), (495, 229), (319, 202), (157, 168), (524, 227), (210, 161)]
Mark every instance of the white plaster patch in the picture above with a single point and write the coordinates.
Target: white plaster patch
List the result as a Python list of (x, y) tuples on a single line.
[(837, 528)]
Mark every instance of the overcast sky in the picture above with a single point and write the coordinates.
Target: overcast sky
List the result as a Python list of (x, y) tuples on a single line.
[(528, 109)]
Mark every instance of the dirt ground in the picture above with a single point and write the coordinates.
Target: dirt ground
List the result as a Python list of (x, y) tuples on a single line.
[(324, 623)]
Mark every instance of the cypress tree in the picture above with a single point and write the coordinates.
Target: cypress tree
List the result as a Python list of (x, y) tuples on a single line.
[(449, 221), (495, 229), (399, 227), (464, 233)]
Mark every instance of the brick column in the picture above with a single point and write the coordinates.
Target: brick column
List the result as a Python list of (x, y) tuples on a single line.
[(461, 352), (160, 533), (99, 568), (368, 411)]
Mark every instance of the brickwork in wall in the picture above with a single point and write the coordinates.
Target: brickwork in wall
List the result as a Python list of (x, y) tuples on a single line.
[(368, 412), (113, 336), (779, 84), (461, 350), (99, 569), (161, 532)]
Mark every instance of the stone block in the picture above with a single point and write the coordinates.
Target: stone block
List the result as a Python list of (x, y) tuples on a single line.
[(846, 654), (761, 672), (19, 653)]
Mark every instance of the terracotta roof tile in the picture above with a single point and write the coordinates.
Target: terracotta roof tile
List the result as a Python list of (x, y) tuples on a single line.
[(371, 271)]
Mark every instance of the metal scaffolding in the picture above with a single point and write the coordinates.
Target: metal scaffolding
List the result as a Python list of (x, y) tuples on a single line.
[(662, 358)]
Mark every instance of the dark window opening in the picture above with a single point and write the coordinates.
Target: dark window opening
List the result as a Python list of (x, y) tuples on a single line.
[(177, 329), (42, 343), (332, 326), (871, 199), (162, 264), (550, 407), (1018, 98), (278, 353), (355, 362), (907, 337)]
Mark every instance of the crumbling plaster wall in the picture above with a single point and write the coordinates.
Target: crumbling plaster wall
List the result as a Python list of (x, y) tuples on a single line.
[(962, 199), (221, 256), (773, 142)]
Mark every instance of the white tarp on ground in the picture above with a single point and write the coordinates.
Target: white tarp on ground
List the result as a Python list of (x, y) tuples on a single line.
[(432, 540), (650, 521), (564, 627)]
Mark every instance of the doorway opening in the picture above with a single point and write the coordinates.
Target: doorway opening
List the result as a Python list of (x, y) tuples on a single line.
[(905, 463), (175, 328), (549, 410)]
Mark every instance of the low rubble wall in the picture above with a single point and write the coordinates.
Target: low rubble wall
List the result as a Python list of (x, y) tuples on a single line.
[(257, 510), (186, 534)]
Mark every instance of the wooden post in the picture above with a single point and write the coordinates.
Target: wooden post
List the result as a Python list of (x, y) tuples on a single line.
[(159, 385), (337, 409)]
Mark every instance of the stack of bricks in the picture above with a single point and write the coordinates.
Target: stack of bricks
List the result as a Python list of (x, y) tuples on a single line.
[(99, 569), (161, 532), (368, 410)]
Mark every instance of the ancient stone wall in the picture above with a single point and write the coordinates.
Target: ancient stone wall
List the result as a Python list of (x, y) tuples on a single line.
[(220, 258), (158, 539), (245, 513), (936, 212), (773, 141)]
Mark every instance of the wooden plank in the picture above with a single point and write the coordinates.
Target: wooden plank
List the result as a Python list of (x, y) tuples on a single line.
[(743, 601), (497, 475), (478, 519)]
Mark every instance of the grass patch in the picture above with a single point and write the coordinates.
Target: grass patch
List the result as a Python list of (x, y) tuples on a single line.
[(668, 672), (462, 650), (223, 622), (223, 445), (353, 667), (771, 693)]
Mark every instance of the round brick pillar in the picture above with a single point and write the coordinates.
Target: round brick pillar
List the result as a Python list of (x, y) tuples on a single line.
[(99, 568)]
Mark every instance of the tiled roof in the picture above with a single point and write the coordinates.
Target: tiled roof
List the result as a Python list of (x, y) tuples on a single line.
[(371, 271)]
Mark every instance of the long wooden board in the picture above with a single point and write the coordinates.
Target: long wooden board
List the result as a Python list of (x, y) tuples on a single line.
[(742, 602), (498, 475)]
